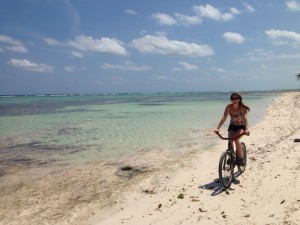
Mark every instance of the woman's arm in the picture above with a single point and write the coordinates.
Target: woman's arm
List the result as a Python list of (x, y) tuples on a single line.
[(246, 120), (224, 117)]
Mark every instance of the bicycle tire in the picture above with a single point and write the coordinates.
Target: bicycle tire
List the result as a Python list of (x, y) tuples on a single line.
[(226, 169), (240, 167)]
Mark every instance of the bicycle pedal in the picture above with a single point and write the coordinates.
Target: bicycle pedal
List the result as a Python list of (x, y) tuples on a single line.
[(240, 162)]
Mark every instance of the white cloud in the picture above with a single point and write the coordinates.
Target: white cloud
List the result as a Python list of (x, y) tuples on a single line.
[(164, 19), (249, 7), (261, 54), (184, 66), (293, 6), (54, 42), (235, 11), (70, 68), (162, 78), (219, 70), (162, 45), (74, 15), (263, 66), (84, 43), (103, 45), (31, 66), (210, 12), (234, 38), (284, 37), (77, 54), (128, 66), (11, 44), (202, 11), (187, 20), (130, 12), (165, 78)]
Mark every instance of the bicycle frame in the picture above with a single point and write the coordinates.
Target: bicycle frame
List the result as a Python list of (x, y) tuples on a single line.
[(230, 145), (228, 161)]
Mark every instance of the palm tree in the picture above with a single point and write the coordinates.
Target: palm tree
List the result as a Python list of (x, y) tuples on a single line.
[(298, 76)]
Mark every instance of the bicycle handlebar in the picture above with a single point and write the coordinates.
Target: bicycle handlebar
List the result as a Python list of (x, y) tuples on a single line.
[(231, 139)]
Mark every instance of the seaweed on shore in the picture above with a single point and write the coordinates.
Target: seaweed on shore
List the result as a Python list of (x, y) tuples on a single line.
[(130, 171)]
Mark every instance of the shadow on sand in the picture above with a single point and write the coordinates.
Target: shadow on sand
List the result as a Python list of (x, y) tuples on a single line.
[(216, 186)]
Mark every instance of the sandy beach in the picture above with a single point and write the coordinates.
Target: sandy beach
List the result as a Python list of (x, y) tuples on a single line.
[(176, 191)]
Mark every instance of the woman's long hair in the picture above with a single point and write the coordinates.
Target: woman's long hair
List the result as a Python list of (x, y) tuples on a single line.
[(241, 100)]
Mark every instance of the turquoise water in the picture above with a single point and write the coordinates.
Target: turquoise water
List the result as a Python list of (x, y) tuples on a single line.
[(39, 130)]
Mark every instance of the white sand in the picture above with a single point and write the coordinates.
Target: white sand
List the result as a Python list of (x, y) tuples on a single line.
[(267, 193)]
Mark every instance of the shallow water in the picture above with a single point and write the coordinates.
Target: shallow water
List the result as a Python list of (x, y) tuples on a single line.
[(51, 130)]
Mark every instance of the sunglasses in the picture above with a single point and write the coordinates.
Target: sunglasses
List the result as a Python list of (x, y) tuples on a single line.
[(234, 98)]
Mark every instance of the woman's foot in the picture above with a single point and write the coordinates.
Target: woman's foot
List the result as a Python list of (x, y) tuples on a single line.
[(241, 162)]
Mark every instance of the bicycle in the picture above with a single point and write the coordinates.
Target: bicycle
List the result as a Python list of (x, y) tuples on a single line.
[(229, 160)]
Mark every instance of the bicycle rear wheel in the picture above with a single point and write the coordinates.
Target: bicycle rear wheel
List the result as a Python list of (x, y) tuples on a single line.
[(226, 169), (242, 168)]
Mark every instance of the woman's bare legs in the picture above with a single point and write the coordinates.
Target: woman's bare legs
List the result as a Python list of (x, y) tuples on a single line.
[(237, 143), (239, 149)]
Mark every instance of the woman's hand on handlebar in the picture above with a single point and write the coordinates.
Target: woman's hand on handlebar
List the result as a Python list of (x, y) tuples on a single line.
[(247, 132)]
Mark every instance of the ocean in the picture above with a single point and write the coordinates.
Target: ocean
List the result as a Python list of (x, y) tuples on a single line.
[(51, 130)]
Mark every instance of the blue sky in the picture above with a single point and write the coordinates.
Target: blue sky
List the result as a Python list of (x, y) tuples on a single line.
[(100, 46)]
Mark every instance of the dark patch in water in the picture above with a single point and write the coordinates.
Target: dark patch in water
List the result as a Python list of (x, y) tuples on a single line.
[(2, 172), (117, 117), (34, 108), (16, 157), (152, 104), (36, 146), (73, 152), (33, 144), (13, 165), (67, 130), (17, 161)]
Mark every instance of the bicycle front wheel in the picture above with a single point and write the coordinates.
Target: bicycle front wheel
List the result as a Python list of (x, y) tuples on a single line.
[(242, 168), (226, 169)]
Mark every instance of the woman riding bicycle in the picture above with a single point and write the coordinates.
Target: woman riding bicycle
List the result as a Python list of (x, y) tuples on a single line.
[(238, 121)]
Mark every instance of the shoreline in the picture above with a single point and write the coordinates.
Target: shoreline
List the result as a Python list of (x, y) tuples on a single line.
[(153, 200)]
